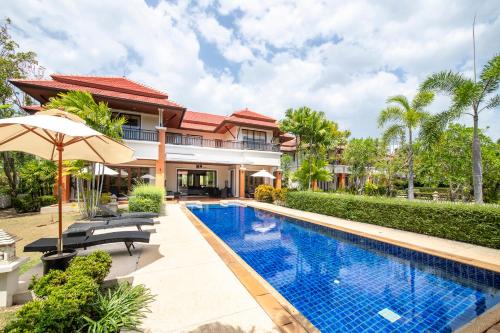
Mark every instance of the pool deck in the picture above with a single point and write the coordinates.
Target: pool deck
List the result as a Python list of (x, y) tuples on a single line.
[(195, 290)]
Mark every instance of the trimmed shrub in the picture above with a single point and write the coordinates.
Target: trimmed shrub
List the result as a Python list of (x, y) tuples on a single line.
[(475, 224), (47, 200), (64, 297), (264, 193), (279, 194), (25, 203), (146, 198)]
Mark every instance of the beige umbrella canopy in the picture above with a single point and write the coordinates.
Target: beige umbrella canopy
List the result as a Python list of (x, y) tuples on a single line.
[(263, 174), (58, 135)]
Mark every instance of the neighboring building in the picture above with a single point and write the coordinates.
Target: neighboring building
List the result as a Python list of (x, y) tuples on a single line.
[(189, 152), (340, 172)]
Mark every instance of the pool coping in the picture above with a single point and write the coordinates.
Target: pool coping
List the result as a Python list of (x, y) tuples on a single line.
[(286, 317)]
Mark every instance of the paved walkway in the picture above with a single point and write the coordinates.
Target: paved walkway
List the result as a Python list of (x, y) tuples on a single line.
[(464, 252), (196, 291)]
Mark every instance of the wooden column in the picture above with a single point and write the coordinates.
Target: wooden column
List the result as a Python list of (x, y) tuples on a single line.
[(160, 161), (277, 181), (65, 188), (342, 181), (314, 184), (129, 179), (118, 180), (241, 193)]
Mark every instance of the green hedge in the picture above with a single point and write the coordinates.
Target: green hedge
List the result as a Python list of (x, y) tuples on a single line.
[(25, 203), (47, 200), (475, 224), (146, 198)]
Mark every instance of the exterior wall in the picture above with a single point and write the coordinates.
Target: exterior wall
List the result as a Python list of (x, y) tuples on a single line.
[(196, 154)]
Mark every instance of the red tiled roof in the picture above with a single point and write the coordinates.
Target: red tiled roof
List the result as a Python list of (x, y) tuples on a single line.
[(32, 108), (201, 121), (290, 145), (52, 84), (249, 114), (114, 83)]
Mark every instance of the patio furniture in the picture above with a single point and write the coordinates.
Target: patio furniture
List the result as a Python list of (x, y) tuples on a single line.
[(87, 228), (109, 214), (127, 237)]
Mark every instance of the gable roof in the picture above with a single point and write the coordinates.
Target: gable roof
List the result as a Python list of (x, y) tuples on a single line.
[(106, 87)]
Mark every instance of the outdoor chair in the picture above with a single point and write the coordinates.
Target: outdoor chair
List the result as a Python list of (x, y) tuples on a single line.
[(87, 228), (127, 237)]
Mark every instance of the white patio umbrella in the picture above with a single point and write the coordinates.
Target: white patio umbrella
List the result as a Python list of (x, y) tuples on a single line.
[(148, 176), (57, 135), (263, 174), (102, 169)]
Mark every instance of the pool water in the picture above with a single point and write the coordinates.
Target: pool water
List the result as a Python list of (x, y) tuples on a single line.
[(347, 283)]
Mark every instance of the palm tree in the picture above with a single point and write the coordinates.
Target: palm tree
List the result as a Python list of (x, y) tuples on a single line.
[(469, 97), (404, 118)]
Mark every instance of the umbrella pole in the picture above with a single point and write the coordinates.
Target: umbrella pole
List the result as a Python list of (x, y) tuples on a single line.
[(59, 196)]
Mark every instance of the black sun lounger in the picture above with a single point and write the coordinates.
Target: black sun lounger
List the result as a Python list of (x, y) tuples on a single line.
[(108, 214), (127, 237), (87, 228)]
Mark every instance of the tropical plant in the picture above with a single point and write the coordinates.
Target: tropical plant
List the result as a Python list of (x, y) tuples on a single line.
[(13, 65), (315, 135), (447, 161), (403, 119), (468, 97), (98, 116), (360, 155), (286, 167), (37, 177), (312, 169), (120, 308), (264, 192)]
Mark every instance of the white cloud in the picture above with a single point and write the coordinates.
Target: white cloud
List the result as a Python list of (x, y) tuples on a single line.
[(342, 57)]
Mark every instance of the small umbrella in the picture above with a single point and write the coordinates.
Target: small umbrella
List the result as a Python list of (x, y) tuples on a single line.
[(53, 133), (263, 174), (148, 176)]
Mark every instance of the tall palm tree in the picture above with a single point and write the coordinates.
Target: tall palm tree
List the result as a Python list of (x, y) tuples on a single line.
[(403, 119), (469, 97)]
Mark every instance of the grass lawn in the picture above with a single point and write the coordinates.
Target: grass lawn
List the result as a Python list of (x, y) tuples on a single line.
[(30, 227)]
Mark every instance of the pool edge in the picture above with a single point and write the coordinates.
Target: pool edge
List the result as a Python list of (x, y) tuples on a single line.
[(441, 254), (286, 317)]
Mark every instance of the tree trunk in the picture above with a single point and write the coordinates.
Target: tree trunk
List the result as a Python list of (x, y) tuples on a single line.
[(477, 168), (411, 194)]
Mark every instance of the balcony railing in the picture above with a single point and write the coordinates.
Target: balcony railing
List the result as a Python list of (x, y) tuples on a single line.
[(140, 134), (216, 143)]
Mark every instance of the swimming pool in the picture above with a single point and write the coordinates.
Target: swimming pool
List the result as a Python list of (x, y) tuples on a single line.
[(342, 282)]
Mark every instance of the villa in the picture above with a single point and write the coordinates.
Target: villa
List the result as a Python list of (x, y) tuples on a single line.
[(189, 153)]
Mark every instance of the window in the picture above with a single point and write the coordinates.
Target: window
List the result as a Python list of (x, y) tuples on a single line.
[(131, 120), (254, 136)]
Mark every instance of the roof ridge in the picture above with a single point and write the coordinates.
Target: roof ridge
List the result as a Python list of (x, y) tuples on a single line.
[(153, 92)]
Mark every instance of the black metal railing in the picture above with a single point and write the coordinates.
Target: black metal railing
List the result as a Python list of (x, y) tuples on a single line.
[(216, 143), (140, 134)]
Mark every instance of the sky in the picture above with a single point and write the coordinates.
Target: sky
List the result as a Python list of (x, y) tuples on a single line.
[(341, 57)]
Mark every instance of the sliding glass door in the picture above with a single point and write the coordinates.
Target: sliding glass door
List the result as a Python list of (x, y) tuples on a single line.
[(196, 182)]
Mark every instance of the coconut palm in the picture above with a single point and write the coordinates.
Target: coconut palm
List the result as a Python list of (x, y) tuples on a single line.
[(401, 119), (468, 97)]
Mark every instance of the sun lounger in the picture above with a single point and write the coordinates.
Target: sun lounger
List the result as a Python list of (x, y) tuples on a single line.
[(87, 228), (108, 214), (127, 237)]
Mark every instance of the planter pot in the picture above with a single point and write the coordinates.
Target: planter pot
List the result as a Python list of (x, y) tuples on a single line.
[(53, 260)]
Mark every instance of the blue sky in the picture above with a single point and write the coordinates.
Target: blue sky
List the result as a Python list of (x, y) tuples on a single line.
[(342, 57)]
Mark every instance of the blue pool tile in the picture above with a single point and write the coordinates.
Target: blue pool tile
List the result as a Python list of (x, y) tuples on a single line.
[(341, 281)]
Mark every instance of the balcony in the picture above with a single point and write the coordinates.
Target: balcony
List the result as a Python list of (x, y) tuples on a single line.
[(215, 143), (140, 134)]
